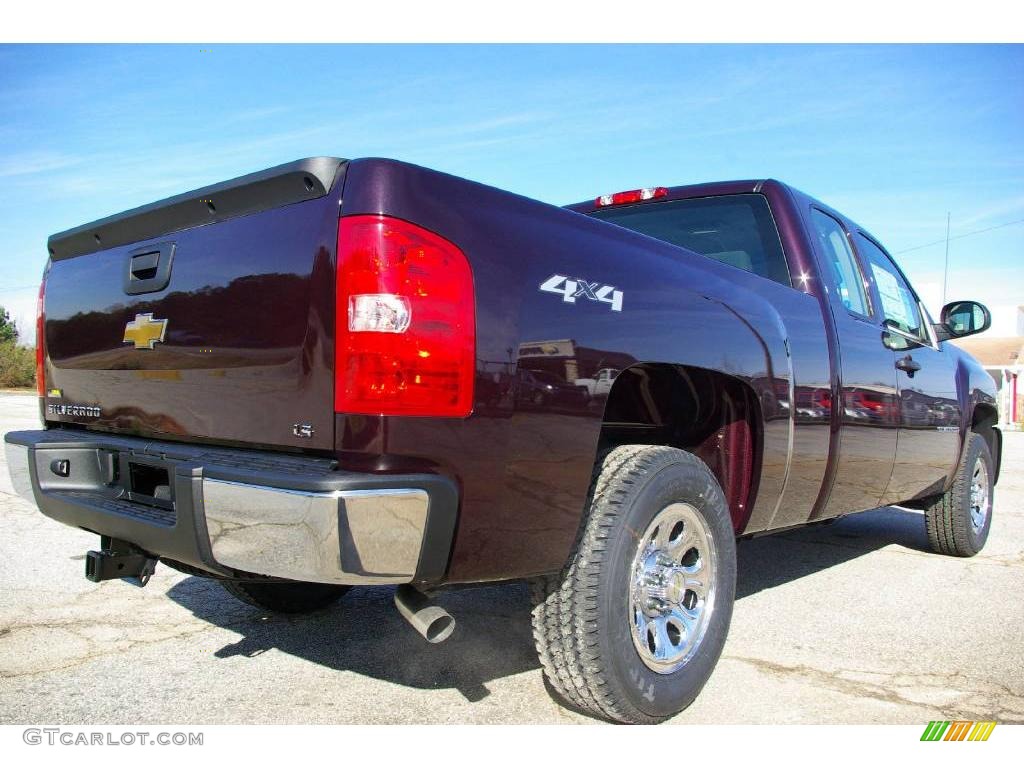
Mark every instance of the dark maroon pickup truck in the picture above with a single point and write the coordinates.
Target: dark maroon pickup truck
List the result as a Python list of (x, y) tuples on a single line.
[(336, 373)]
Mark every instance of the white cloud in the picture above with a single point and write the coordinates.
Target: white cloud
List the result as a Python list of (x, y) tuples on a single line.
[(1008, 208), (27, 163)]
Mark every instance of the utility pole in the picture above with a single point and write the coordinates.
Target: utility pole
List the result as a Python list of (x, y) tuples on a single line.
[(945, 269)]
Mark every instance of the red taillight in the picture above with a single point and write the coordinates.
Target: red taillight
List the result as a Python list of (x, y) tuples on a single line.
[(632, 196), (405, 325), (40, 351)]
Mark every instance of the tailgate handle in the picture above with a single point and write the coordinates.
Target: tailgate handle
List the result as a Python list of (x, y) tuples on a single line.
[(149, 269), (144, 265)]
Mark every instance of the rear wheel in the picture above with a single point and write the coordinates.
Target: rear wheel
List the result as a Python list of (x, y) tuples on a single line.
[(285, 596), (633, 627), (958, 522)]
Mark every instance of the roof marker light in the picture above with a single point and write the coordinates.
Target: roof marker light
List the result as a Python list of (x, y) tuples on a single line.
[(632, 196)]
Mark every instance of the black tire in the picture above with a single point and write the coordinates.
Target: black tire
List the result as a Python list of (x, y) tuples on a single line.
[(948, 517), (285, 596), (581, 618)]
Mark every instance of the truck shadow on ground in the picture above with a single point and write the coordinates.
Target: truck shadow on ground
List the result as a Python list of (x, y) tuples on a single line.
[(363, 632), (776, 559)]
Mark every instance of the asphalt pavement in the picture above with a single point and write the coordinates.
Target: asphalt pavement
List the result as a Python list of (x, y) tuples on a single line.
[(854, 622)]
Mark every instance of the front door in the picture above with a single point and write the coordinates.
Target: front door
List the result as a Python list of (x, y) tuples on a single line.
[(930, 415)]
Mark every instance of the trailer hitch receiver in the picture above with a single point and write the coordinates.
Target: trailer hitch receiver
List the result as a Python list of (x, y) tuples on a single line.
[(119, 560)]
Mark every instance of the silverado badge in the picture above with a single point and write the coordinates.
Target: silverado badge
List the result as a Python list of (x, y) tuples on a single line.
[(144, 331)]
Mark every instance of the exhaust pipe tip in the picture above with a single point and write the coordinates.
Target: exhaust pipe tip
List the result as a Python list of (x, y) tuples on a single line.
[(432, 621)]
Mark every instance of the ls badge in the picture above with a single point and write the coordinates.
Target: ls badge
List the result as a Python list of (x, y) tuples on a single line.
[(144, 331)]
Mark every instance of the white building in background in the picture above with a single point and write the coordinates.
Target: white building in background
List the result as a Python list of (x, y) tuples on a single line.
[(1003, 357)]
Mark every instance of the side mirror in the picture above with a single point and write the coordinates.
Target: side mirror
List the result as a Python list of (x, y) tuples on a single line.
[(962, 318)]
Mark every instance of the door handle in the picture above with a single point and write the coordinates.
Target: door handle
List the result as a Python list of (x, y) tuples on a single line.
[(907, 364)]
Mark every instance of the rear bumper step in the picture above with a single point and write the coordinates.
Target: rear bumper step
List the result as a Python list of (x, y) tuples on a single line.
[(235, 512)]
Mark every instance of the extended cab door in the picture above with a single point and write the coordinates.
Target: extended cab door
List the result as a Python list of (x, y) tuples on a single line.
[(867, 404), (930, 413)]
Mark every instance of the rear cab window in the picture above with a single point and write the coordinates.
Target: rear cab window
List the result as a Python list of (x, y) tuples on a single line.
[(733, 229), (847, 278)]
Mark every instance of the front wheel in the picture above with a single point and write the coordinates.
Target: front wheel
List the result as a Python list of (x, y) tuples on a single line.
[(959, 520), (632, 628)]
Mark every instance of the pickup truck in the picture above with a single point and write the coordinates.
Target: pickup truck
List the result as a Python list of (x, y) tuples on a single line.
[(601, 384), (306, 379)]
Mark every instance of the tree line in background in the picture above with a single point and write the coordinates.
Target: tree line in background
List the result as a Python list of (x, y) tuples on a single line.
[(17, 362)]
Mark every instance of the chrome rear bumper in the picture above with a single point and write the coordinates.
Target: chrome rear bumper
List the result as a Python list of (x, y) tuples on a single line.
[(346, 537), (242, 513), (17, 467)]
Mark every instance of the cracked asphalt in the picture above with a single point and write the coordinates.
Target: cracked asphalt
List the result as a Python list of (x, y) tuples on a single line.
[(854, 622)]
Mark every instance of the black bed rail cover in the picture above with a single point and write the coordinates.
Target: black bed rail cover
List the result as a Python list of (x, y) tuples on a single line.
[(281, 185)]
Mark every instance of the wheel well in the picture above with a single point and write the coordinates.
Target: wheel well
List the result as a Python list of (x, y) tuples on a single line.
[(983, 422), (709, 414)]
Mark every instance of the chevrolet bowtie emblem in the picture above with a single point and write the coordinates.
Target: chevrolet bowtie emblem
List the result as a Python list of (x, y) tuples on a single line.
[(144, 331)]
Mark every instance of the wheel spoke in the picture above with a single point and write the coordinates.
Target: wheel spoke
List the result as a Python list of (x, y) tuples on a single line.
[(697, 571), (664, 647), (695, 584), (679, 546), (661, 536), (685, 619), (640, 621), (688, 622)]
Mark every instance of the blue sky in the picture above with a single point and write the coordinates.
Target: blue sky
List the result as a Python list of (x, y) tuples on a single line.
[(893, 136)]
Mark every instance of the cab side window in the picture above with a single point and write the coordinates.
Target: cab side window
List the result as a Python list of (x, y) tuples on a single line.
[(847, 278), (899, 304)]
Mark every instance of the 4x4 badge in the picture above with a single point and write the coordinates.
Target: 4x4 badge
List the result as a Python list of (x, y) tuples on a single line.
[(570, 289), (144, 331)]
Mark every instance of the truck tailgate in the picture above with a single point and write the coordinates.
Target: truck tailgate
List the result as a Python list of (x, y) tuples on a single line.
[(209, 315)]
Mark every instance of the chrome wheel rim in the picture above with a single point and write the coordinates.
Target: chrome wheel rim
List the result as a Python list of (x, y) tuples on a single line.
[(981, 502), (672, 588)]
